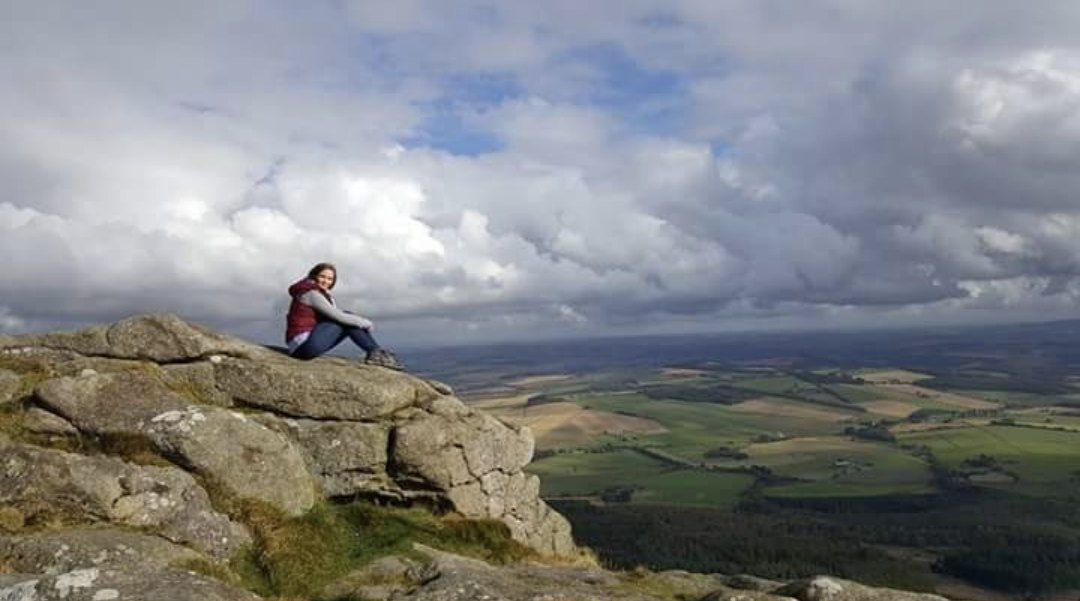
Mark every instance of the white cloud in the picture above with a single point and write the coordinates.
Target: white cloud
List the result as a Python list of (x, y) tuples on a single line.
[(670, 164)]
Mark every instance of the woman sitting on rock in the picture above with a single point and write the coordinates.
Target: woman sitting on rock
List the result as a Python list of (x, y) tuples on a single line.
[(315, 324)]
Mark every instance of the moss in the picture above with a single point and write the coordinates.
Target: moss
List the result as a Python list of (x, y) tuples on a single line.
[(133, 448), (210, 569), (189, 390), (11, 520), (300, 556), (52, 514), (642, 580), (11, 418), (23, 364), (487, 539)]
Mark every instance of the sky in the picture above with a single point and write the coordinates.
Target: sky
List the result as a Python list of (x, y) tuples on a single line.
[(518, 170)]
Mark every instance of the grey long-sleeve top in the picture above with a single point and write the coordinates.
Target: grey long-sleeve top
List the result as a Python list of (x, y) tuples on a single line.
[(328, 309)]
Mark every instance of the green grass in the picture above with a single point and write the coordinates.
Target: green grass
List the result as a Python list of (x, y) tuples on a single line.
[(297, 557)]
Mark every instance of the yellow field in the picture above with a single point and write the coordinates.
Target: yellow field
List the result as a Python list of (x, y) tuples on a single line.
[(766, 406), (536, 381), (491, 405), (927, 426), (888, 376), (804, 446), (936, 396), (559, 425), (678, 372), (891, 408)]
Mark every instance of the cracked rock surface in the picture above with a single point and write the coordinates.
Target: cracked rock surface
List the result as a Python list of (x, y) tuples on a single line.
[(43, 484)]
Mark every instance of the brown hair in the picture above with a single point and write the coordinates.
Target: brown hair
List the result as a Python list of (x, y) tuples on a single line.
[(319, 267)]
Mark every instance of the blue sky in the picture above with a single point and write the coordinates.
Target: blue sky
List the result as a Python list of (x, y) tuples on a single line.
[(515, 170)]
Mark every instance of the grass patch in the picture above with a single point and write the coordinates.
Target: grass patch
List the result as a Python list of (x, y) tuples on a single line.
[(644, 581), (132, 448), (298, 557), (11, 416)]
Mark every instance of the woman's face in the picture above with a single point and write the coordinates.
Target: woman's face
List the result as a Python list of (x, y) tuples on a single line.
[(325, 279)]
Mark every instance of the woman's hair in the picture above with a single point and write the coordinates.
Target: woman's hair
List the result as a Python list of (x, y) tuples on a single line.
[(321, 267)]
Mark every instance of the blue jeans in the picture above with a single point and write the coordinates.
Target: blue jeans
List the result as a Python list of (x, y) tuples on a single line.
[(328, 334)]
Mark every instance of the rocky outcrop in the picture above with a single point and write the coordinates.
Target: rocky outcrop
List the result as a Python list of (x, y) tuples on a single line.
[(77, 548), (346, 458), (239, 454), (320, 389), (158, 338), (117, 582), (477, 461), (99, 564), (45, 485), (259, 425), (824, 588)]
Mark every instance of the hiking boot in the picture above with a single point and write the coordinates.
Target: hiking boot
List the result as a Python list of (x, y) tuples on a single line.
[(384, 358)]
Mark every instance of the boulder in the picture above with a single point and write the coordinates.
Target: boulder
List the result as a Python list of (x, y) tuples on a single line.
[(476, 461), (449, 450), (115, 403), (55, 552), (320, 389), (823, 588), (46, 485), (748, 582), (244, 457), (10, 385), (196, 381), (381, 579), (465, 579), (731, 594), (39, 421), (160, 338), (346, 458), (237, 453), (107, 584)]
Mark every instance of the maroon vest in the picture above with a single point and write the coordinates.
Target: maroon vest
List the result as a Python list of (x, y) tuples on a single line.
[(302, 318)]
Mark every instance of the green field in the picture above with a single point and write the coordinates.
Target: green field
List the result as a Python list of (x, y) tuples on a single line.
[(589, 474), (1010, 397), (1045, 461), (781, 384), (695, 488), (857, 393), (695, 428), (801, 441)]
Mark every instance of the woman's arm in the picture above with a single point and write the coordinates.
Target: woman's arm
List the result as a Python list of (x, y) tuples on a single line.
[(327, 309)]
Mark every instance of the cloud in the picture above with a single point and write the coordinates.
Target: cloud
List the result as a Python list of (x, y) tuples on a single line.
[(490, 171)]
